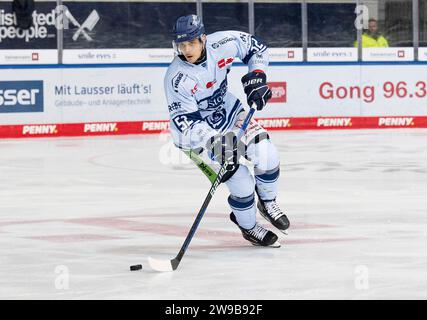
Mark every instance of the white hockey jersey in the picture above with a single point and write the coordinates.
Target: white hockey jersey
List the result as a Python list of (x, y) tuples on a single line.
[(199, 103)]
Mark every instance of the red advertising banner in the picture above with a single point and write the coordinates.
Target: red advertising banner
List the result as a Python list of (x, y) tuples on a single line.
[(155, 127)]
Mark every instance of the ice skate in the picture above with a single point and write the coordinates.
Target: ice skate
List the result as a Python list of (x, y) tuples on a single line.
[(270, 210), (258, 235)]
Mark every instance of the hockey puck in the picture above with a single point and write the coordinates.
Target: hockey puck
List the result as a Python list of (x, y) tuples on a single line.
[(135, 267)]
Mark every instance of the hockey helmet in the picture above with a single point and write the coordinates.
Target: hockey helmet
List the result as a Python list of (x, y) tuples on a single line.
[(188, 28)]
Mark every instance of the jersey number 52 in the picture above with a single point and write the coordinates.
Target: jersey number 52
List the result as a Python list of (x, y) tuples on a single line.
[(182, 122)]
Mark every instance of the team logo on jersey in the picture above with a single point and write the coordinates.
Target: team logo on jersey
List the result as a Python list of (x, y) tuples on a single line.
[(217, 98), (224, 62), (176, 80), (221, 42), (216, 120)]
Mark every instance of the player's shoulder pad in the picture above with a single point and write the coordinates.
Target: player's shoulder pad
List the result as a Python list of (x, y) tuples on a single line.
[(178, 80)]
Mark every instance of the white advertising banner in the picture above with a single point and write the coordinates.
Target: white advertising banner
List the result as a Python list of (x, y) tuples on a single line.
[(77, 56), (26, 56), (286, 54), (388, 54), (76, 95), (422, 54), (331, 54), (73, 95)]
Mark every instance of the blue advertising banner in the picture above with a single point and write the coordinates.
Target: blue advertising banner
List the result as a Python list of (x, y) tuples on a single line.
[(21, 96)]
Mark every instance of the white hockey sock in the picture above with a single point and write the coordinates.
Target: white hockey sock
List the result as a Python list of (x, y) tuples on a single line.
[(266, 183), (266, 168), (244, 209)]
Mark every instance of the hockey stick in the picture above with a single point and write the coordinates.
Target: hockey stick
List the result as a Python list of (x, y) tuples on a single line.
[(171, 265)]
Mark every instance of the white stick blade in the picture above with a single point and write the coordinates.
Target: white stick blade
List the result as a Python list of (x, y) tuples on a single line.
[(160, 265)]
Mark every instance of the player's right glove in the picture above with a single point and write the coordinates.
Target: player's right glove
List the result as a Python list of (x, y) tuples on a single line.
[(256, 88), (223, 148)]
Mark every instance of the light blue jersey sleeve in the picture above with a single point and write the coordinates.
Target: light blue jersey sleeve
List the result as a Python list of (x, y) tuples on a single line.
[(189, 130), (248, 48)]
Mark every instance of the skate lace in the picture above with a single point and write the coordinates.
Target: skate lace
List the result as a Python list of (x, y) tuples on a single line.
[(258, 232), (273, 210)]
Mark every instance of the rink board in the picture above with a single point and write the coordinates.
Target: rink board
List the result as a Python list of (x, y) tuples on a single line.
[(77, 100), (147, 127)]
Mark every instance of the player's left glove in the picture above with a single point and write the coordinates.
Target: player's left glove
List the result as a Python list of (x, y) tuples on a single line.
[(256, 88)]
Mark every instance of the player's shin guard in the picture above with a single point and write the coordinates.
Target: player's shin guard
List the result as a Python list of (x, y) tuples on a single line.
[(266, 183), (266, 186), (244, 209)]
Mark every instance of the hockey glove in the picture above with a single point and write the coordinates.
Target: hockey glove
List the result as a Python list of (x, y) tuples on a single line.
[(256, 88), (223, 148)]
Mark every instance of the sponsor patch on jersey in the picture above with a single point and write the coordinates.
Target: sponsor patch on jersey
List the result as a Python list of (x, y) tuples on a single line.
[(221, 42), (176, 80), (174, 106), (224, 62)]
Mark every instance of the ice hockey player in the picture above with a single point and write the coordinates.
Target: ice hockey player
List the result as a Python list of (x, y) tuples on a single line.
[(205, 116)]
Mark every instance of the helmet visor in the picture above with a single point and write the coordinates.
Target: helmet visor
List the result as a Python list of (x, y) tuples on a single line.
[(180, 47)]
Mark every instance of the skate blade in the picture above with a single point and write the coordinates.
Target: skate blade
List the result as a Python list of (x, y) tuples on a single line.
[(274, 245), (284, 232)]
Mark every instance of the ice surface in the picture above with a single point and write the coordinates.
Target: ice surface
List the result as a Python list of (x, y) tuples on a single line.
[(75, 213)]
